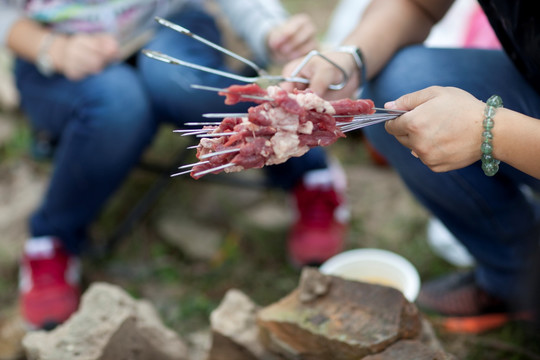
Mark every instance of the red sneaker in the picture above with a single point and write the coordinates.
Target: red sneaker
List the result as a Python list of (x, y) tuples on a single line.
[(48, 283), (319, 232)]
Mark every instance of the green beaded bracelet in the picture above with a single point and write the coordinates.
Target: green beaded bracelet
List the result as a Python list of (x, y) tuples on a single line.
[(490, 165)]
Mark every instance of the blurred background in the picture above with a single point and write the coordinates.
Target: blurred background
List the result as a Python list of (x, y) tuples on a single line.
[(191, 241)]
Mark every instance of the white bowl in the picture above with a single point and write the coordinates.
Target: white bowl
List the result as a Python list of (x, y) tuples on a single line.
[(375, 266)]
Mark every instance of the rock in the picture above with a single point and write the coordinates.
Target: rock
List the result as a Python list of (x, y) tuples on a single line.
[(12, 331), (108, 325), (351, 320), (428, 336), (235, 334), (197, 241), (270, 215), (313, 284), (410, 350), (199, 343)]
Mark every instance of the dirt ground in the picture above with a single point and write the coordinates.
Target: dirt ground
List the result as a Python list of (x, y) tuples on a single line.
[(240, 230)]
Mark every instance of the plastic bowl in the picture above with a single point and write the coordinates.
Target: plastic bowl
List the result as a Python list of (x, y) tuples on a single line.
[(375, 266)]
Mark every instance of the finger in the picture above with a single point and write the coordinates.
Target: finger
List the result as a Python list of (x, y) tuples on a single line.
[(287, 32), (287, 71), (299, 46), (295, 53), (396, 127), (412, 100), (304, 33), (106, 45), (84, 63), (323, 77)]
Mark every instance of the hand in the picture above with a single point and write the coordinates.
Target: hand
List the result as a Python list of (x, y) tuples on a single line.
[(322, 74), (294, 38), (443, 127), (80, 55)]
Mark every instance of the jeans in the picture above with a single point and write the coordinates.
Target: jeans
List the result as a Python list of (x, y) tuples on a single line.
[(104, 122), (492, 216)]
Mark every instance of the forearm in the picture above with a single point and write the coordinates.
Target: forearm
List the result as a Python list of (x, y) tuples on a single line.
[(25, 37), (388, 25), (516, 141)]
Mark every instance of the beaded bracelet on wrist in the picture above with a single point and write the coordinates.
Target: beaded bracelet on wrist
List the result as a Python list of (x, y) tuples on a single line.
[(490, 165)]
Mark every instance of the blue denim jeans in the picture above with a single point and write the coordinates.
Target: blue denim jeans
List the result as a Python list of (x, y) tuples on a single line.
[(104, 122), (491, 216)]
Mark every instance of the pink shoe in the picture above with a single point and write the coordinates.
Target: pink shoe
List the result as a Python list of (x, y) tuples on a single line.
[(48, 283), (321, 226)]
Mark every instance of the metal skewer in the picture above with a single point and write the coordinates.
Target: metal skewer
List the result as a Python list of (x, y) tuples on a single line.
[(217, 153), (224, 115), (358, 122), (384, 112), (263, 78), (202, 123), (185, 31), (221, 167), (217, 134), (181, 173), (194, 164)]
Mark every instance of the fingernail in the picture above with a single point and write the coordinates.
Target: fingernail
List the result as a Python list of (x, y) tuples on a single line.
[(414, 154), (390, 105)]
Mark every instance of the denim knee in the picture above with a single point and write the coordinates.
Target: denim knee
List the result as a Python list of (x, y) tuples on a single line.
[(116, 107)]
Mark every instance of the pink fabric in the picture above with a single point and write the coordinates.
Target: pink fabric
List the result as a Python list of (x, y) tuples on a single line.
[(479, 33)]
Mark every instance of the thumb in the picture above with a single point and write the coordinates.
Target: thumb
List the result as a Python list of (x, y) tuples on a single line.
[(412, 100)]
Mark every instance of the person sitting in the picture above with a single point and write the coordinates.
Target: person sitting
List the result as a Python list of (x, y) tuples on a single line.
[(80, 87), (472, 162)]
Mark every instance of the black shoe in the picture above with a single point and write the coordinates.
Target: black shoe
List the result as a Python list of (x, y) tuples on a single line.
[(465, 306)]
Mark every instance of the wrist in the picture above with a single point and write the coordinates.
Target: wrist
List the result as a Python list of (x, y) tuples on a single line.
[(490, 164), (44, 62), (57, 52), (358, 58)]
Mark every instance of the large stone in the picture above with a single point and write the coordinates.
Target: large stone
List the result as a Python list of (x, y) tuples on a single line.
[(235, 334), (12, 331), (109, 325), (327, 317)]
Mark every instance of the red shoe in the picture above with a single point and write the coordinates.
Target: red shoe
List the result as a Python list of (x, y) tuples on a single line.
[(48, 283), (319, 232)]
